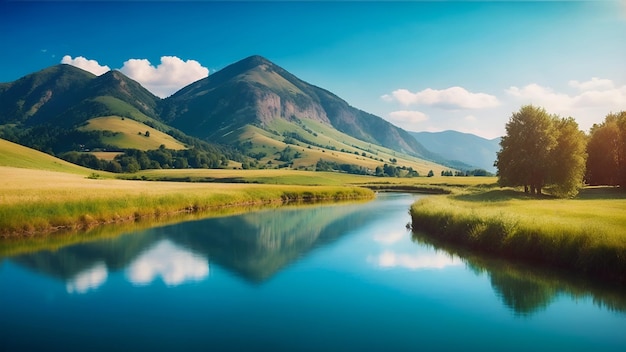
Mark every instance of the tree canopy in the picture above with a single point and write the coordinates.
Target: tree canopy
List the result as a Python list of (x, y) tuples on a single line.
[(606, 164), (541, 150)]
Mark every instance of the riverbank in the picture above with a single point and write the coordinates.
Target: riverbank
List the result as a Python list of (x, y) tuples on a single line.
[(37, 202), (586, 235)]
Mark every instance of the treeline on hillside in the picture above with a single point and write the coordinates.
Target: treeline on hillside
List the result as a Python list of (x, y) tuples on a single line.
[(133, 160), (55, 140), (541, 150), (474, 172), (70, 144), (382, 171)]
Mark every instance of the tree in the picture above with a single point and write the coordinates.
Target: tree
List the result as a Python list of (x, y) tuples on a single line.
[(606, 164), (541, 150), (568, 159)]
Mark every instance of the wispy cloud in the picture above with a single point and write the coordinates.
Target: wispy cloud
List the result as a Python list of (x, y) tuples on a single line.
[(408, 119), (166, 78), (594, 83), (88, 65), (592, 94), (451, 98)]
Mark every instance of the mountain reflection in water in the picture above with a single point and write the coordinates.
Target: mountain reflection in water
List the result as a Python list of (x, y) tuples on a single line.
[(257, 245)]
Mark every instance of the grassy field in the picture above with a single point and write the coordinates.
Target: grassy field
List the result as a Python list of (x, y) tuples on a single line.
[(15, 155), (131, 134), (586, 235), (301, 177), (34, 201), (265, 142)]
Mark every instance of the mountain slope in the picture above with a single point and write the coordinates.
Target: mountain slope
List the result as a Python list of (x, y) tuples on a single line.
[(17, 156), (49, 92), (465, 147), (265, 93)]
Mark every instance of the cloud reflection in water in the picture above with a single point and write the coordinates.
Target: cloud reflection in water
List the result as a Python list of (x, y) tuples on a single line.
[(436, 260), (394, 245), (87, 280), (175, 265)]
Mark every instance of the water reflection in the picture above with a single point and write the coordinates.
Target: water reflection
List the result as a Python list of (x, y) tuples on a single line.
[(174, 265), (413, 261), (88, 279), (528, 290), (254, 246), (394, 253), (257, 245)]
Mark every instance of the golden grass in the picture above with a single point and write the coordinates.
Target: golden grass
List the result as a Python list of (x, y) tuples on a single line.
[(586, 234), (15, 155), (128, 134), (301, 177), (34, 201), (327, 136)]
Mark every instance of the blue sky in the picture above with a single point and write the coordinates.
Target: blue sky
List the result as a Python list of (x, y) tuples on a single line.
[(425, 66)]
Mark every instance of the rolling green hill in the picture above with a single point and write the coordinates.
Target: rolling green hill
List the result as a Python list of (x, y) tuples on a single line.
[(131, 134), (253, 105), (18, 156)]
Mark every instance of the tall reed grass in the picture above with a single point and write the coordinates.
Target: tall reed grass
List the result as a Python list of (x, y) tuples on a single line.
[(586, 236)]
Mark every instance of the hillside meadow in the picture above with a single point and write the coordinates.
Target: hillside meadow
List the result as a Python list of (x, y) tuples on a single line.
[(584, 235), (131, 134)]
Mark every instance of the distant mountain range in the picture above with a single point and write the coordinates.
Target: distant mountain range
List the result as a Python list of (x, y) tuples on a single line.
[(253, 105), (462, 147)]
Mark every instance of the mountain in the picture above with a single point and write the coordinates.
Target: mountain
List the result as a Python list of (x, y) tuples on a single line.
[(257, 92), (64, 95), (464, 147), (253, 105)]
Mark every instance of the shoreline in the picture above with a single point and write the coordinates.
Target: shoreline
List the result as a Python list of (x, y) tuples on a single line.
[(85, 214), (506, 232)]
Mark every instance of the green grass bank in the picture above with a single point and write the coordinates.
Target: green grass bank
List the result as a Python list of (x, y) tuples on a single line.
[(585, 236), (38, 201)]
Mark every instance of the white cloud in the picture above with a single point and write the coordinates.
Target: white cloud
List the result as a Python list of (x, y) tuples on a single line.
[(470, 118), (451, 98), (173, 264), (437, 260), (88, 280), (596, 93), (594, 84), (168, 77), (88, 65)]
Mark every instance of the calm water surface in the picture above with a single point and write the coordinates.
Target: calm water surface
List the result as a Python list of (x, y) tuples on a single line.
[(328, 277)]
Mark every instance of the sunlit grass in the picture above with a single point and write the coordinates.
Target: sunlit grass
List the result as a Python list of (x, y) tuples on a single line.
[(18, 156), (131, 134), (33, 201), (300, 177), (586, 234)]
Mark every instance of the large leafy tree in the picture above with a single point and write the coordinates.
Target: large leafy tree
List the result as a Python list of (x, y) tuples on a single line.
[(606, 164), (541, 150), (568, 158), (525, 148)]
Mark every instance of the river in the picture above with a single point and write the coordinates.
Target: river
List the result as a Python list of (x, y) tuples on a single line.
[(335, 277)]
